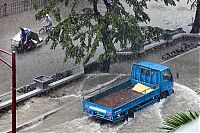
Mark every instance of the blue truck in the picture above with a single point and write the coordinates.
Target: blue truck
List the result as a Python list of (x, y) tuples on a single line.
[(148, 83)]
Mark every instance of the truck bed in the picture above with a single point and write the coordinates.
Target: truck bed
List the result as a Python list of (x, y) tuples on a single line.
[(118, 98)]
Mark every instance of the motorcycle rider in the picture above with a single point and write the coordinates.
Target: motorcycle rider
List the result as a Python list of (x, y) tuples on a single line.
[(23, 35), (48, 22), (26, 36)]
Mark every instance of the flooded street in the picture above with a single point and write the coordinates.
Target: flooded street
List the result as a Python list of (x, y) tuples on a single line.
[(32, 63), (61, 110), (69, 117)]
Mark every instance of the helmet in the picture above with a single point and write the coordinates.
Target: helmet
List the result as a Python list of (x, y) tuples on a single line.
[(47, 15)]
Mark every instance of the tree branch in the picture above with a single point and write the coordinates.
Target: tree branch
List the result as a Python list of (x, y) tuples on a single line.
[(108, 5), (196, 24), (96, 12)]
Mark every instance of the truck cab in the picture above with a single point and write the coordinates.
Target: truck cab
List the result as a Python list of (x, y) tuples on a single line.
[(149, 73)]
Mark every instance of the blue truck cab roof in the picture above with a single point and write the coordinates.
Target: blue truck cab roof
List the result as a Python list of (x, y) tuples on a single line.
[(152, 65)]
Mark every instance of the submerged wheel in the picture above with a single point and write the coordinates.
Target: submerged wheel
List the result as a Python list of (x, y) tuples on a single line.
[(164, 94), (158, 99), (125, 118), (102, 122), (131, 113)]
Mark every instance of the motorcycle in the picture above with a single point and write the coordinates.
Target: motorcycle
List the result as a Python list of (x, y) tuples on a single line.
[(18, 46)]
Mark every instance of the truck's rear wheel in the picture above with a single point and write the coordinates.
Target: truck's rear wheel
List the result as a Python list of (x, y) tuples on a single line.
[(131, 113), (125, 118)]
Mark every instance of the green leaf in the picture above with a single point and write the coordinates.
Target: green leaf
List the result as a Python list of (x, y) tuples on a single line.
[(56, 14), (172, 123)]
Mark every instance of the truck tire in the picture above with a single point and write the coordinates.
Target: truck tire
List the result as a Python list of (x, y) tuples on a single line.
[(158, 99), (125, 118), (164, 94), (131, 113), (102, 122)]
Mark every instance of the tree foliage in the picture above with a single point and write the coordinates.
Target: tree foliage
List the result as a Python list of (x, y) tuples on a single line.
[(194, 3), (174, 122), (81, 33)]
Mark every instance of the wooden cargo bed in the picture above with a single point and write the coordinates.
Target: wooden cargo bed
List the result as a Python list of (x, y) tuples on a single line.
[(118, 98)]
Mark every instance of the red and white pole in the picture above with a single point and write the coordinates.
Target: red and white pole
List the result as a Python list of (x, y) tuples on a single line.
[(13, 67), (13, 92)]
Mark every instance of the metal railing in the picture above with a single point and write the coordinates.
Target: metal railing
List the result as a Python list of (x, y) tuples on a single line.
[(20, 6), (12, 65)]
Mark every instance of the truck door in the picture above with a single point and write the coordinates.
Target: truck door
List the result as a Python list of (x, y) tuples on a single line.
[(167, 82)]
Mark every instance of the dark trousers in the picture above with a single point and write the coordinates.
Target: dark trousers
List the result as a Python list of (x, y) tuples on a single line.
[(33, 35)]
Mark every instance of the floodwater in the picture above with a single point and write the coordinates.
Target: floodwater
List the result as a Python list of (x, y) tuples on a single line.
[(69, 118)]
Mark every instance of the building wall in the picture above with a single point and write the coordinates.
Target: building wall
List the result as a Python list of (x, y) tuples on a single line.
[(8, 1)]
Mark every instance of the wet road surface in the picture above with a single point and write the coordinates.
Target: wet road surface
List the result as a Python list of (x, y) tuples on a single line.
[(70, 118)]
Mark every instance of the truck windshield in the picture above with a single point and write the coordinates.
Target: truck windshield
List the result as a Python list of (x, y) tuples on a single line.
[(167, 75)]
